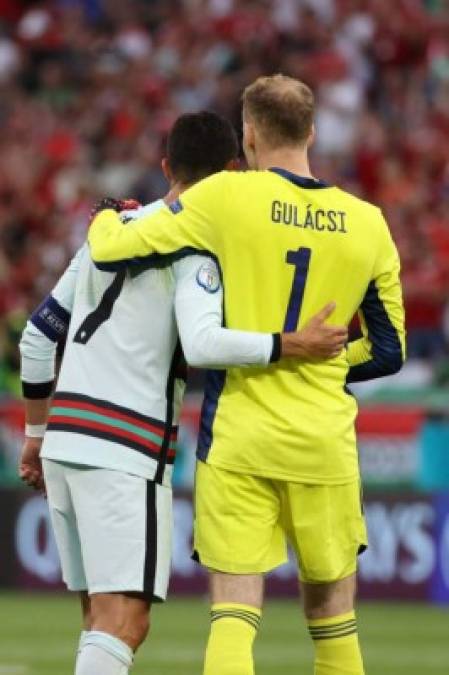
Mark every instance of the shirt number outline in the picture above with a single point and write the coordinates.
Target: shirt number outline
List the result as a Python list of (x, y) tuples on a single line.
[(301, 261)]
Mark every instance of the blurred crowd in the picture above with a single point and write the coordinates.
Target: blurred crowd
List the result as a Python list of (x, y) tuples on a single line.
[(89, 89)]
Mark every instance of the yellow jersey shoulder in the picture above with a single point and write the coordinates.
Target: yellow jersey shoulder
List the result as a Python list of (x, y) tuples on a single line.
[(357, 205), (210, 187)]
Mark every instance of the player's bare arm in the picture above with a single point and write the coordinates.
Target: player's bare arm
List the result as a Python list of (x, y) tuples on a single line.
[(30, 466)]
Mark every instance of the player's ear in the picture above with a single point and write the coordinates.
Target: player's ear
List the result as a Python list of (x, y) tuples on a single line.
[(311, 138), (249, 134), (233, 165), (166, 170)]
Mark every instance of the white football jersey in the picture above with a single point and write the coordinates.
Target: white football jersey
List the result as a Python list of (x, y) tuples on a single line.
[(122, 378)]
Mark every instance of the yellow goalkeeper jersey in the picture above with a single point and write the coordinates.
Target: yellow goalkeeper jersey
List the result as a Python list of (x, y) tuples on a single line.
[(286, 246)]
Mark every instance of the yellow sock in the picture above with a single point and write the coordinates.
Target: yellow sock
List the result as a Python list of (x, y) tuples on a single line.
[(337, 650), (230, 647)]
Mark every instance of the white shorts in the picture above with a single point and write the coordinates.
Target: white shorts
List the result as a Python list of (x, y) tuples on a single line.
[(113, 530)]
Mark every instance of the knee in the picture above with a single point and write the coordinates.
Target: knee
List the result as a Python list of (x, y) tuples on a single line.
[(326, 600), (134, 632), (123, 622)]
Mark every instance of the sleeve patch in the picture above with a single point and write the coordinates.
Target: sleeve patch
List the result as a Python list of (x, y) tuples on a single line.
[(127, 216), (176, 207), (208, 277), (51, 319)]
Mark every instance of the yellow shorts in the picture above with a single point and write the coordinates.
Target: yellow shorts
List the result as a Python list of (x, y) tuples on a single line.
[(243, 524)]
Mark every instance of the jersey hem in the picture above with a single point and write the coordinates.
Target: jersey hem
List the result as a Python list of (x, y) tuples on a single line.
[(288, 477), (68, 457)]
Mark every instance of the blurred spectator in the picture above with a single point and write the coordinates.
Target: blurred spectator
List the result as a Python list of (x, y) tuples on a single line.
[(89, 89)]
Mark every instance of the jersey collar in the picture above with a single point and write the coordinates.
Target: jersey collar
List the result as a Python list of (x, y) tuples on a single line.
[(300, 181)]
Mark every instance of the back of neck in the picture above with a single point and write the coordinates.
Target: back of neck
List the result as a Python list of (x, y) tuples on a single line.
[(292, 160)]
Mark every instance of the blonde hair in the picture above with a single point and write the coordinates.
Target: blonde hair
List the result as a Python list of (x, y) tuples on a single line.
[(281, 108)]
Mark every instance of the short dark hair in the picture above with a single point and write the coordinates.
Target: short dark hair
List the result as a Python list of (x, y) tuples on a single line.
[(282, 108), (199, 145)]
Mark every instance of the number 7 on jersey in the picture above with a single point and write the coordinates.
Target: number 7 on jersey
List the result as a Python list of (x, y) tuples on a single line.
[(301, 260)]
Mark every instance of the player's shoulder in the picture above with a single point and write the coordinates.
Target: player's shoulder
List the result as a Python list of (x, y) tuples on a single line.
[(81, 255), (141, 211), (235, 177), (357, 204), (204, 270), (232, 181), (236, 183), (249, 176)]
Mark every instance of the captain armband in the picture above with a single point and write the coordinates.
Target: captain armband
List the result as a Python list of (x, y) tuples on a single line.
[(51, 319)]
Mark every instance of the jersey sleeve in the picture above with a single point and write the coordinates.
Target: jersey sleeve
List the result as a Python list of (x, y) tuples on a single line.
[(191, 223), (199, 315), (381, 351), (46, 327)]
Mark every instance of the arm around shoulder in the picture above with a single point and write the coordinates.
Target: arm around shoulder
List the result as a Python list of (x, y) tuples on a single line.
[(199, 314), (189, 224)]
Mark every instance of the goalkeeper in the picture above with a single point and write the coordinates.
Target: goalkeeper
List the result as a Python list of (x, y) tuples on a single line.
[(277, 449)]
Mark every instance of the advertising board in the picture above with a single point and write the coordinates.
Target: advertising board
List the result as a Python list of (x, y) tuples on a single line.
[(408, 556)]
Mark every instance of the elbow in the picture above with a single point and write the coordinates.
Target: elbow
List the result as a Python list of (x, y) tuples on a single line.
[(97, 242), (26, 342), (97, 251), (102, 237), (197, 350), (192, 358), (382, 364), (390, 363), (397, 365), (394, 367), (196, 358)]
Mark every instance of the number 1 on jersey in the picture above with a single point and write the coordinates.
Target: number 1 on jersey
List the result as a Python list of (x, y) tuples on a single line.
[(301, 260)]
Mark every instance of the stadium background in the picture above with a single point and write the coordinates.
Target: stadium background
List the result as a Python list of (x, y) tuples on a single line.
[(88, 91)]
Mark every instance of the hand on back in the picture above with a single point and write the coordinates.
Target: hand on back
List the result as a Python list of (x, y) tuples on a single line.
[(317, 339)]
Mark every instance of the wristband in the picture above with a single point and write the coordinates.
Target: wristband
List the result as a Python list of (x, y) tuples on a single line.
[(35, 430), (276, 352)]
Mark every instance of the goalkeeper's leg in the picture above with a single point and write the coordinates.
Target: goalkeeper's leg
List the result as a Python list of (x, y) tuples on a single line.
[(330, 615), (235, 617)]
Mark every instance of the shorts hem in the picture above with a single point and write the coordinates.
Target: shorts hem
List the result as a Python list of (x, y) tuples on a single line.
[(216, 566), (328, 580), (93, 590), (76, 588)]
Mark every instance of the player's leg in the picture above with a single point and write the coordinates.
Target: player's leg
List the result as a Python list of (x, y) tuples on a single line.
[(124, 523), (329, 609), (124, 615), (86, 619), (236, 602), (238, 539), (327, 529), (64, 524), (120, 624)]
